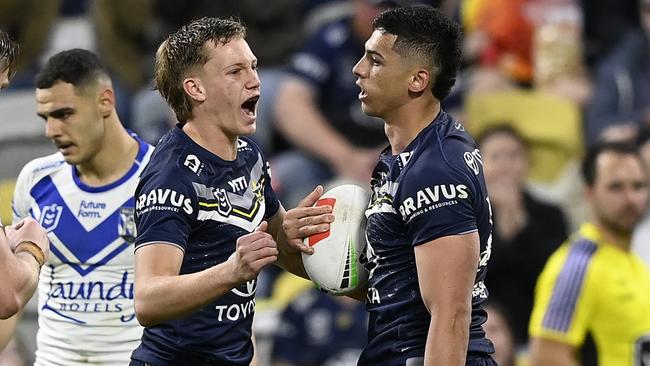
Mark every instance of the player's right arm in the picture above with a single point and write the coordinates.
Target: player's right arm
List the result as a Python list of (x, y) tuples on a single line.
[(162, 294), (164, 225)]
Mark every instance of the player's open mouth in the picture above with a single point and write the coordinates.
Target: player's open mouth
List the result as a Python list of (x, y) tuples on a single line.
[(64, 147), (362, 93), (249, 105)]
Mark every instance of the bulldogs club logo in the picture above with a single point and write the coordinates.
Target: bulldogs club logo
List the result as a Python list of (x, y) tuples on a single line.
[(126, 225)]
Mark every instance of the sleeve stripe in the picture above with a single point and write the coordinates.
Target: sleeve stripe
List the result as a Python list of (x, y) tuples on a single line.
[(568, 286)]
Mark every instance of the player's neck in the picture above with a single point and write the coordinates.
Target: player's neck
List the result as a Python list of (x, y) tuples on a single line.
[(614, 238), (212, 138), (114, 159), (407, 122)]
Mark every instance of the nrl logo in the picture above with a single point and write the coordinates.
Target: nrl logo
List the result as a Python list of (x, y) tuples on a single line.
[(224, 208), (50, 216)]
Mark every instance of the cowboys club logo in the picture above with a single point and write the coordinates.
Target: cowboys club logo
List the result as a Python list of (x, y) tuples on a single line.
[(246, 290), (50, 216)]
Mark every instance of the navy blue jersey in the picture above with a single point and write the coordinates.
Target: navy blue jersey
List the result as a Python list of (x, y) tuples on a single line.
[(190, 198), (326, 62), (433, 188)]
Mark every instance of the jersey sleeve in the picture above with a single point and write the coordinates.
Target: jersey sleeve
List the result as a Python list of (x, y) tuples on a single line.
[(21, 201), (437, 197), (565, 296), (166, 207)]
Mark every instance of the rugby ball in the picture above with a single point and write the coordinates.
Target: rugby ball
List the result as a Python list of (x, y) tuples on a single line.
[(335, 265)]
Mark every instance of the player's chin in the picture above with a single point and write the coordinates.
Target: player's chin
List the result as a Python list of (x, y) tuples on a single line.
[(72, 159), (248, 129), (368, 110)]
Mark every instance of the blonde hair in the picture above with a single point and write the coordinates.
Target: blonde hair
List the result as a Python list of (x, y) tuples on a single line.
[(184, 50)]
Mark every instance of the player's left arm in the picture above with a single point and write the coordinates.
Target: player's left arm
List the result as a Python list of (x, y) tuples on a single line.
[(446, 271), (7, 329)]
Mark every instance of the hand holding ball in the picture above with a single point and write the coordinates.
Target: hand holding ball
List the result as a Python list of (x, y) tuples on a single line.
[(335, 265)]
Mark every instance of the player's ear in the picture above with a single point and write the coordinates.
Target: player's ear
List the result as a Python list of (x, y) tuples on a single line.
[(106, 101), (420, 79), (194, 88)]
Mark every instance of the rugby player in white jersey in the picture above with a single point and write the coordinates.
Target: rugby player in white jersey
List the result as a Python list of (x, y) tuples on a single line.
[(83, 196)]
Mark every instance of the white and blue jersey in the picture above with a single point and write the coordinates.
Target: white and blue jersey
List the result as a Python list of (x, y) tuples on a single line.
[(85, 290), (192, 199), (433, 188)]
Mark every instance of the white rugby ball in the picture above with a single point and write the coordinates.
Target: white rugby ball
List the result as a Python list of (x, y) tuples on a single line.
[(335, 264)]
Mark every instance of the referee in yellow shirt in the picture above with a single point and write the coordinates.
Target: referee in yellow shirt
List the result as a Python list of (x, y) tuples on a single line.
[(594, 284)]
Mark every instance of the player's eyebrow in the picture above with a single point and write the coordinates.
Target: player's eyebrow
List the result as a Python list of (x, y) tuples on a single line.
[(252, 62), (57, 113), (373, 52)]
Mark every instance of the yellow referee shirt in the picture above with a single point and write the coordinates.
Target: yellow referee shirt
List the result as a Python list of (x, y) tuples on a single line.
[(588, 286)]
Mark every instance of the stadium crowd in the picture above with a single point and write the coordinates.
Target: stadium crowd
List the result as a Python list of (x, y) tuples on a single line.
[(541, 83)]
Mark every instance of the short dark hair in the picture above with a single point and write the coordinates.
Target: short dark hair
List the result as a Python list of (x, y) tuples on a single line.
[(185, 49), (589, 172), (76, 66), (8, 53), (503, 128), (426, 33)]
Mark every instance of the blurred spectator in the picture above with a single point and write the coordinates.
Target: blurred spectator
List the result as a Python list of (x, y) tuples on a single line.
[(622, 96), (317, 329), (606, 21), (525, 232), (558, 51), (499, 331), (274, 30), (525, 43), (498, 42), (593, 284), (317, 109)]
